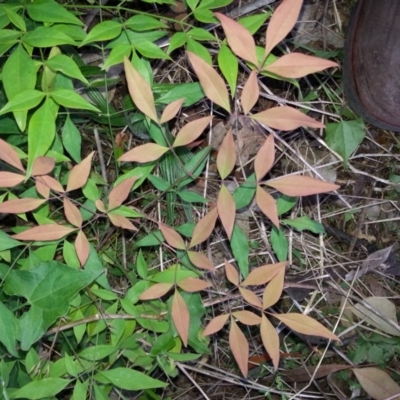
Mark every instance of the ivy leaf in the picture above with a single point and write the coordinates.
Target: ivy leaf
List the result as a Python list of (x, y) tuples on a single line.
[(48, 288), (345, 136)]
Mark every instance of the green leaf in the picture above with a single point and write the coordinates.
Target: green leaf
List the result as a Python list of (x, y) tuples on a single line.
[(178, 39), (98, 352), (50, 11), (153, 239), (205, 15), (144, 23), (19, 74), (279, 244), (229, 67), (106, 30), (344, 137), (172, 275), (74, 32), (41, 132), (192, 197), (67, 66), (141, 265), (40, 389), (128, 212), (151, 50), (254, 22), (69, 255), (200, 34), (159, 183), (192, 4), (80, 390), (305, 224), (239, 244), (285, 204), (198, 49), (48, 287), (195, 166), (191, 92), (15, 19), (244, 194), (72, 140), (6, 242), (197, 312), (117, 55), (70, 99), (128, 37), (45, 36), (128, 379), (9, 36), (94, 265), (23, 101), (8, 330)]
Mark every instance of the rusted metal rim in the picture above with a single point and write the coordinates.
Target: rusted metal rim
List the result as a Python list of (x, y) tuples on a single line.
[(371, 75)]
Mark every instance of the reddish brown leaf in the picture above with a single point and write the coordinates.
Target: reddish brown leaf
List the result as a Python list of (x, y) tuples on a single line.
[(200, 260), (250, 297), (261, 275), (226, 158), (82, 247), (267, 205), (298, 185), (121, 222), (120, 193), (156, 291), (192, 285), (72, 213), (80, 173), (213, 85), (247, 317), (18, 206), (191, 131), (270, 340), (226, 210), (10, 156), (43, 166), (181, 317), (377, 383), (204, 227), (273, 291), (239, 38), (231, 273), (305, 325), (171, 110), (303, 374), (10, 179), (140, 91), (265, 158), (297, 65), (100, 205), (44, 233), (239, 346), (145, 153), (285, 119), (173, 238), (50, 182), (215, 325), (250, 93), (281, 23), (42, 189)]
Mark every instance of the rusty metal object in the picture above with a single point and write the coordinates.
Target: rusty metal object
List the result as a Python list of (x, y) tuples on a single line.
[(372, 62)]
